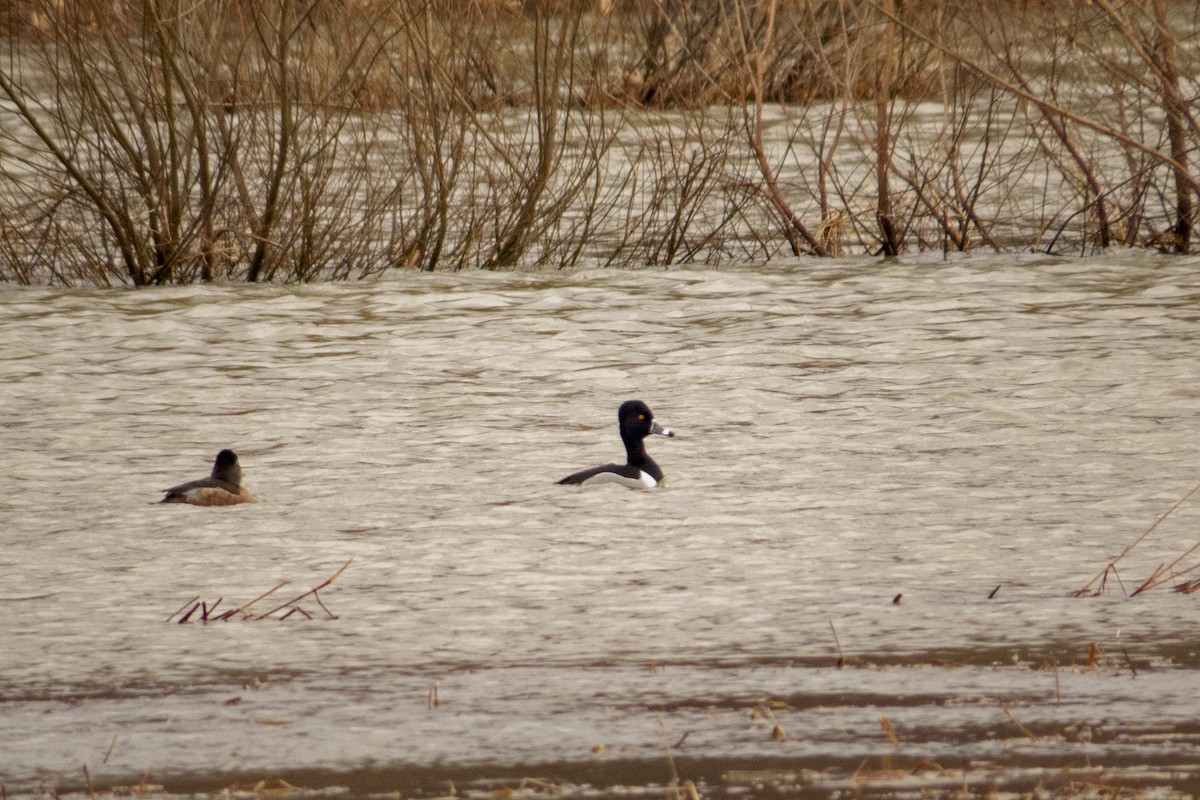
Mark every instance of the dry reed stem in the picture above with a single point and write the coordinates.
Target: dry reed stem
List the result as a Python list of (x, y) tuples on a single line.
[(1083, 590), (311, 591), (207, 610), (1129, 662), (841, 662), (1033, 737), (242, 608), (689, 791), (889, 731), (207, 615), (185, 605), (1157, 578), (188, 615), (667, 745)]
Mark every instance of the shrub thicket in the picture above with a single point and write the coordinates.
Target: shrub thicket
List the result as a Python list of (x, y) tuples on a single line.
[(266, 140)]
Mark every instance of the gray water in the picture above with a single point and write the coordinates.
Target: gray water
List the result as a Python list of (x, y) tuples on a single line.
[(905, 466)]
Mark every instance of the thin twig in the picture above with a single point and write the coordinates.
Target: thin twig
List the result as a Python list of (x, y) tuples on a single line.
[(317, 597), (208, 610), (1129, 662), (188, 615), (1044, 105), (1033, 737), (313, 590), (243, 608), (1087, 586), (109, 752), (1151, 582), (670, 757), (182, 607), (841, 662), (889, 731)]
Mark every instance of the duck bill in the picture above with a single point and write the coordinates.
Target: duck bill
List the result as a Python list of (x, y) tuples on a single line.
[(660, 430)]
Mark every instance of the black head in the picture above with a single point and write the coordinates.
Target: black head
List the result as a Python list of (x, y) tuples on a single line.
[(226, 468), (637, 421)]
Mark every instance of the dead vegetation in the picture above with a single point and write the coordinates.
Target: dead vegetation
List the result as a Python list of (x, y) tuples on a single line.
[(1180, 573), (158, 142), (198, 610)]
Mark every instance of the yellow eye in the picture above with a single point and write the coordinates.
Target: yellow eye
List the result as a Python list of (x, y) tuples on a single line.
[(641, 416)]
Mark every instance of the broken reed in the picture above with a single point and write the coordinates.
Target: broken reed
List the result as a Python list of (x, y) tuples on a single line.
[(1167, 571), (158, 142), (202, 611)]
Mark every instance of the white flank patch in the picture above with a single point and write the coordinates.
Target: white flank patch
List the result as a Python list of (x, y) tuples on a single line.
[(642, 482)]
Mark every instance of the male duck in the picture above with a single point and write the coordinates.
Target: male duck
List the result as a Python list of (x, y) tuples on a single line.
[(639, 470)]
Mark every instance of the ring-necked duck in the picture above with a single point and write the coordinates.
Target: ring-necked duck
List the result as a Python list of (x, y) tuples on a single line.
[(222, 488), (639, 471)]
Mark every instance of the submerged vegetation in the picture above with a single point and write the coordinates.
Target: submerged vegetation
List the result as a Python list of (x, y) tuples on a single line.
[(278, 140)]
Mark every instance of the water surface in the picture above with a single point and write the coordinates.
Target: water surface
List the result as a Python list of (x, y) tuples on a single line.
[(865, 451)]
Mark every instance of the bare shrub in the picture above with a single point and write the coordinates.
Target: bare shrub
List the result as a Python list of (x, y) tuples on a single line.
[(157, 147), (1100, 92), (161, 142)]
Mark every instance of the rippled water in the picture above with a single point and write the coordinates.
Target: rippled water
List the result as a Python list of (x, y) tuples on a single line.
[(849, 434)]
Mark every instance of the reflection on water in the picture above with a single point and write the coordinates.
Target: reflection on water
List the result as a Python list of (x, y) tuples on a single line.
[(847, 434)]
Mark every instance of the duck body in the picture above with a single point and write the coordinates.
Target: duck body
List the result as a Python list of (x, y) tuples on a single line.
[(639, 471), (222, 488)]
